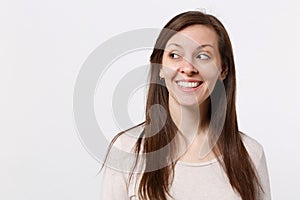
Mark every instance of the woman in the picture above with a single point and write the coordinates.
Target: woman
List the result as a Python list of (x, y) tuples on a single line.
[(190, 146)]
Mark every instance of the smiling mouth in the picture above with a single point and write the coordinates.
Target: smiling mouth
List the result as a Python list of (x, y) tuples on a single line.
[(185, 84)]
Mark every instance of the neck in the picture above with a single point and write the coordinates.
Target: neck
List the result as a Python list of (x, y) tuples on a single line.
[(193, 123), (190, 120)]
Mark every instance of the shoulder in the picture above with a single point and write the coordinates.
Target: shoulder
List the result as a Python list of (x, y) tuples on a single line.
[(118, 166), (121, 155), (127, 140), (253, 147), (257, 154)]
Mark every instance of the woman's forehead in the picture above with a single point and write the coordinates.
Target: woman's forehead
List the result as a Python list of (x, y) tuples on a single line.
[(194, 36)]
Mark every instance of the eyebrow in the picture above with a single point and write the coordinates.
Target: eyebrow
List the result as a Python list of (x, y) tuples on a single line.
[(200, 47)]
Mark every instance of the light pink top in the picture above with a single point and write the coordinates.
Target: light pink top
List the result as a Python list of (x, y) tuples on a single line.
[(192, 181)]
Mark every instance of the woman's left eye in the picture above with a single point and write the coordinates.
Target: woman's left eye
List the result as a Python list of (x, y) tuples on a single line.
[(203, 57)]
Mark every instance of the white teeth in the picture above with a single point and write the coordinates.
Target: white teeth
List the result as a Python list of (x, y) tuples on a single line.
[(188, 84)]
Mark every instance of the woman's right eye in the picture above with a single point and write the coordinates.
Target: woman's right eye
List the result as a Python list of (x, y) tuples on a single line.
[(174, 55)]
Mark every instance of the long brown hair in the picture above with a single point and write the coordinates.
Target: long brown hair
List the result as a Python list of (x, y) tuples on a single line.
[(236, 162)]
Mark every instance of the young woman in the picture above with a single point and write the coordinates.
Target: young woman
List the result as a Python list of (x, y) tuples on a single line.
[(189, 146)]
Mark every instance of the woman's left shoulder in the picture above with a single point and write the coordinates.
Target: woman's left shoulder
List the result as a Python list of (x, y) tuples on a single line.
[(257, 154), (254, 148)]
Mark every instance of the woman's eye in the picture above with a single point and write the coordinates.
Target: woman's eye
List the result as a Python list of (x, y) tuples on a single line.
[(203, 57), (174, 55)]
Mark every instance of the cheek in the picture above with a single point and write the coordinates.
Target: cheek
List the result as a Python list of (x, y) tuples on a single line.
[(169, 71), (168, 68), (210, 75), (209, 72)]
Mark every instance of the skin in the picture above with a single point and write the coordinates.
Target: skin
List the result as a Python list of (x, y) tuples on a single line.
[(192, 53)]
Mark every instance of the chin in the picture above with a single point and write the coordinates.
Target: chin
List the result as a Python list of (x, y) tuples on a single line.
[(189, 103)]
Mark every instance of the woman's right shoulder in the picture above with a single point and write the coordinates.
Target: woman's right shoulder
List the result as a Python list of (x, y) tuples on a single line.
[(121, 155), (126, 140), (118, 166)]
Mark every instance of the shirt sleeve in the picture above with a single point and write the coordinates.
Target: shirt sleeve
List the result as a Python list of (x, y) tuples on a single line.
[(257, 154), (115, 179), (113, 185), (263, 176)]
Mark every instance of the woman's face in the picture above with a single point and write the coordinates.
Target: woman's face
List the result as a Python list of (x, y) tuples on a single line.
[(191, 65)]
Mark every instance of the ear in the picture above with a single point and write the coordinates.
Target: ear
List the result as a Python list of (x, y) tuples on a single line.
[(224, 73), (161, 74)]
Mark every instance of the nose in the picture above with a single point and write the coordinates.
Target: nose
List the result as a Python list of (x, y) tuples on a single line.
[(187, 68)]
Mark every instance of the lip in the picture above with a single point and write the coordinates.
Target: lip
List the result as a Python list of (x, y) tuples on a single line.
[(190, 89)]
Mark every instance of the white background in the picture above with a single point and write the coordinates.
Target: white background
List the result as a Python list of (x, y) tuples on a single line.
[(44, 43)]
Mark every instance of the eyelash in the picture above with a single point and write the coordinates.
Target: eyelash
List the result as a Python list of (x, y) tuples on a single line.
[(202, 54), (171, 55)]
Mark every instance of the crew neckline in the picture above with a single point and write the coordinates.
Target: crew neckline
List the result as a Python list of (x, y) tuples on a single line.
[(198, 164)]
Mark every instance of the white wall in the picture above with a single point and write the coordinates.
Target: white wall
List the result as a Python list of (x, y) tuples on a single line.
[(44, 43)]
